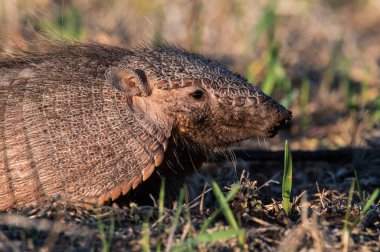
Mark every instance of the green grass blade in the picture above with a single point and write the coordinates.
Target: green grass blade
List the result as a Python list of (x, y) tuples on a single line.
[(328, 76), (144, 242), (226, 210), (111, 231), (188, 212), (349, 202), (357, 182), (234, 189), (176, 219), (179, 207), (346, 229), (67, 26), (370, 201), (105, 240), (267, 22), (287, 179), (208, 238), (161, 201), (367, 204), (224, 205)]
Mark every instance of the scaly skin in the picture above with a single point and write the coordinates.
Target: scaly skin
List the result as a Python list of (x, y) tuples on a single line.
[(91, 122)]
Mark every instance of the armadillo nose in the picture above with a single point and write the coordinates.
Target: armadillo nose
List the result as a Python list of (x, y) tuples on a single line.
[(283, 119), (288, 116)]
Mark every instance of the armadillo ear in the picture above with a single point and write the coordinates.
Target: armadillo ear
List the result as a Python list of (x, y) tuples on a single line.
[(132, 82)]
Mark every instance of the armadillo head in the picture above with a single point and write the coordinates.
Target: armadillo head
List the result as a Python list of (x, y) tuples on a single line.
[(200, 99)]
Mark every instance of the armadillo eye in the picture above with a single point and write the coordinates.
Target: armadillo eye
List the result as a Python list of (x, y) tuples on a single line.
[(197, 95)]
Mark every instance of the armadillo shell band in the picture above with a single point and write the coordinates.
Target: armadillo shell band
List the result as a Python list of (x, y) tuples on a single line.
[(103, 199), (126, 186), (158, 158), (165, 145), (116, 193), (147, 172), (136, 181), (157, 149)]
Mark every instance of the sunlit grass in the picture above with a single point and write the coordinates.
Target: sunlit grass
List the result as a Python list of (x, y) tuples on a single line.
[(287, 179), (226, 210), (234, 189), (145, 239), (67, 26), (377, 109), (346, 230), (161, 202), (275, 76), (367, 202), (204, 237), (370, 201), (348, 225), (303, 104), (207, 238)]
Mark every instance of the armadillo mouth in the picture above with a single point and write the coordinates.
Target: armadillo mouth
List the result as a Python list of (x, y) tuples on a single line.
[(236, 133)]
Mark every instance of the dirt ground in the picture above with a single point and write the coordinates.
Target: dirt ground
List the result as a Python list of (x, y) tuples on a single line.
[(316, 221)]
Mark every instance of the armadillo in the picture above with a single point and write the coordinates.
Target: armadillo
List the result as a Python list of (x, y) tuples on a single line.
[(95, 123)]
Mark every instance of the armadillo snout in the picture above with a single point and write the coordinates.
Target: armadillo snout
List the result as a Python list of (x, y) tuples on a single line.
[(278, 117)]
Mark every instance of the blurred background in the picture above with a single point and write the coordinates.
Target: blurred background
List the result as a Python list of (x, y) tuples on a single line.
[(320, 58)]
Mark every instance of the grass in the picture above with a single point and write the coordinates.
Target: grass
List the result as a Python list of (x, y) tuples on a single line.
[(303, 104), (275, 76), (206, 238), (358, 186), (366, 202), (175, 220), (287, 179), (67, 25), (228, 213), (106, 237), (234, 189), (366, 205), (371, 200), (222, 200), (331, 68), (346, 230), (376, 115), (146, 238), (161, 201)]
